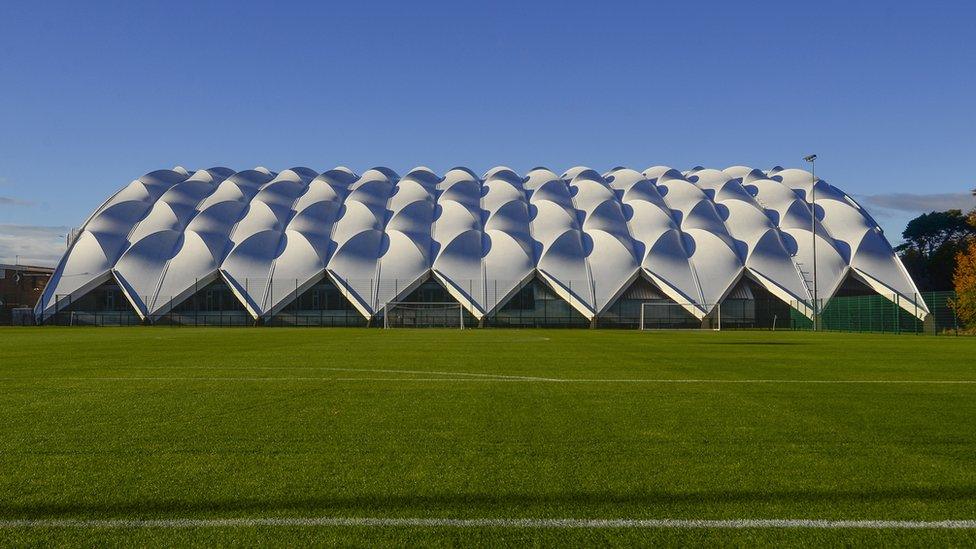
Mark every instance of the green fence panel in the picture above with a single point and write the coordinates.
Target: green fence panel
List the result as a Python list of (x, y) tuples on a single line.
[(881, 314)]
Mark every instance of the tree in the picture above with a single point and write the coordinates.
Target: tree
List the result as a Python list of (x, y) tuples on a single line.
[(965, 280), (932, 243)]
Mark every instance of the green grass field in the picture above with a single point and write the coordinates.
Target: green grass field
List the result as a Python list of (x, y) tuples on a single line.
[(166, 423)]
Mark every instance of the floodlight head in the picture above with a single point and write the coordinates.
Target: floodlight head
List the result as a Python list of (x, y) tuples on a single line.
[(810, 158)]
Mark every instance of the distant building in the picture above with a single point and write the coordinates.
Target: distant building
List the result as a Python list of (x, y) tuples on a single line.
[(20, 287)]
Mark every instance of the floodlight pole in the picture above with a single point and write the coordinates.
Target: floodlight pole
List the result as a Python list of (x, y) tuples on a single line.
[(812, 159)]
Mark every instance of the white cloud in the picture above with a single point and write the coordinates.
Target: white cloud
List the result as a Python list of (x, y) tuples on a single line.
[(893, 211), (918, 203), (10, 201), (34, 244)]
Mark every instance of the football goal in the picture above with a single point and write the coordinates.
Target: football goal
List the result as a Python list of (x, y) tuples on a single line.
[(423, 314), (668, 315)]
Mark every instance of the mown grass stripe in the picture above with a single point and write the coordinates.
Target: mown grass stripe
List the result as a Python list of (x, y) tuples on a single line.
[(489, 379), (528, 523)]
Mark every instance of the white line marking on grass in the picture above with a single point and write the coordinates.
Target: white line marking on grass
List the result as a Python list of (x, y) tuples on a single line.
[(195, 378), (363, 370), (528, 523), (825, 381), (510, 377), (491, 378), (460, 374), (371, 370)]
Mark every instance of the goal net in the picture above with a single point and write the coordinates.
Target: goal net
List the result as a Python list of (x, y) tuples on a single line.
[(667, 315), (423, 314)]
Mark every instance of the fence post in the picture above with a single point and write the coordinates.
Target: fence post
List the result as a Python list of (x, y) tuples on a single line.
[(915, 318), (897, 314), (955, 321)]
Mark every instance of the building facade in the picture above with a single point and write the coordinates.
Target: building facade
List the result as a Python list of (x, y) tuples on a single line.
[(21, 287), (582, 248)]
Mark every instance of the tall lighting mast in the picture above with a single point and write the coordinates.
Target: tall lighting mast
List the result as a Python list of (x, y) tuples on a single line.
[(812, 159)]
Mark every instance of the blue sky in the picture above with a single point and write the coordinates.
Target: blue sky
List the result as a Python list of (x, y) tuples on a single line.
[(94, 95)]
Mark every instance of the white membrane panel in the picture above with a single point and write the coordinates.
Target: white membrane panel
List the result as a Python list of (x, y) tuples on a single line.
[(378, 236)]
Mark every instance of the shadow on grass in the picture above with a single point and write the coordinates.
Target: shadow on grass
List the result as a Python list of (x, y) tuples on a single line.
[(380, 505)]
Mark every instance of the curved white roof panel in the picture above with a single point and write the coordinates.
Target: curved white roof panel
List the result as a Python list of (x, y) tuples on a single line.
[(378, 236)]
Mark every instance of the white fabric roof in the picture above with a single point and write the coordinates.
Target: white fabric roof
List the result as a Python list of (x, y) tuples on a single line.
[(378, 236)]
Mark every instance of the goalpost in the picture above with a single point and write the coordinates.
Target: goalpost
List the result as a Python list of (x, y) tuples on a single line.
[(423, 314), (663, 315)]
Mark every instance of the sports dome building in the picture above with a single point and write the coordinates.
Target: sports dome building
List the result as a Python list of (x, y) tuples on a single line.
[(582, 248)]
